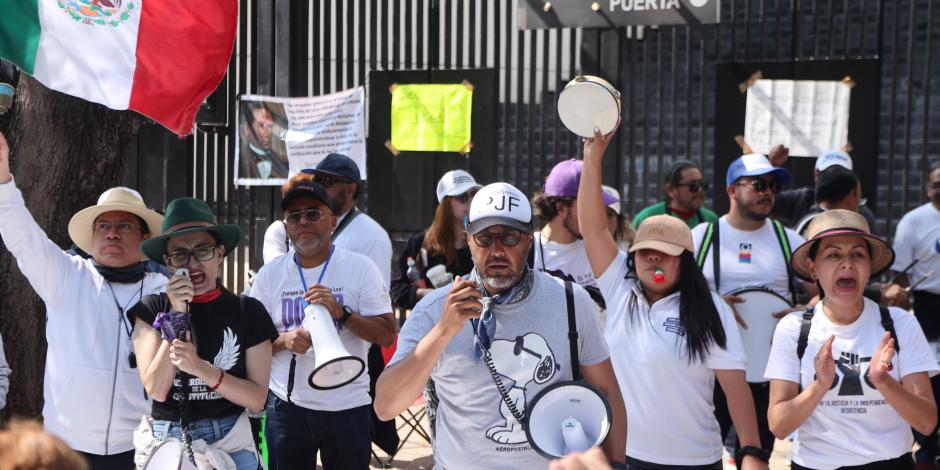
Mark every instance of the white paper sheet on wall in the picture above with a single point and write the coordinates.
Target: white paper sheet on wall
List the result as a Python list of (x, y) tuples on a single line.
[(807, 116)]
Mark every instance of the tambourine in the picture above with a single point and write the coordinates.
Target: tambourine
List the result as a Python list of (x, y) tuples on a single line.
[(168, 455), (587, 102)]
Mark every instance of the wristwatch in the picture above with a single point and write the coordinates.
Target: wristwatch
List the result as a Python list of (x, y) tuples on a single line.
[(762, 454), (347, 312)]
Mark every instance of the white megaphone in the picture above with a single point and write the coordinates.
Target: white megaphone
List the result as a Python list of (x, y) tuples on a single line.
[(567, 417), (334, 365)]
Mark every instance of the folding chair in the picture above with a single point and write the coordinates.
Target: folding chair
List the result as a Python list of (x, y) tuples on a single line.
[(409, 422)]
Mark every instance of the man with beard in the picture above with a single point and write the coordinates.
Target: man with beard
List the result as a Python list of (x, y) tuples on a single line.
[(491, 341), (558, 248), (917, 241), (259, 159), (753, 251), (685, 195), (93, 396), (301, 420)]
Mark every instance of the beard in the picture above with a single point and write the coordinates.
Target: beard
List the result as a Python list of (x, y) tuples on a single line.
[(571, 224), (752, 211), (500, 281)]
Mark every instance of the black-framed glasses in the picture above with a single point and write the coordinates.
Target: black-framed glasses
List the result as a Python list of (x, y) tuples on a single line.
[(934, 185), (508, 238), (760, 185), (465, 197), (329, 180), (695, 186), (179, 259), (312, 215), (123, 228)]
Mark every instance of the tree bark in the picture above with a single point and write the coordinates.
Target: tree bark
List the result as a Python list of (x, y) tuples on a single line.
[(64, 153)]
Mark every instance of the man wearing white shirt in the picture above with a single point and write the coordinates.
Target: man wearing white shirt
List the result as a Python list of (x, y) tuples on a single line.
[(753, 250), (303, 421), (93, 396)]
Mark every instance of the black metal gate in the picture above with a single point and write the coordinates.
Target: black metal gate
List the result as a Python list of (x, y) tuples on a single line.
[(667, 75)]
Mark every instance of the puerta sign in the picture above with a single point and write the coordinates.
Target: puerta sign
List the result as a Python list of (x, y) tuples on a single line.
[(539, 14)]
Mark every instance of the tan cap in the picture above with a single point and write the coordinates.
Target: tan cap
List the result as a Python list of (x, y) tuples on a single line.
[(663, 233), (835, 223)]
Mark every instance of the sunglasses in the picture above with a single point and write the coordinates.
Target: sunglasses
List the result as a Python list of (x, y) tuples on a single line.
[(312, 215), (179, 259), (329, 180), (760, 185), (695, 186), (508, 238), (465, 197)]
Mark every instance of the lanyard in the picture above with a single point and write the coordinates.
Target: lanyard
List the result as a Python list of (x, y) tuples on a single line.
[(127, 328), (300, 270)]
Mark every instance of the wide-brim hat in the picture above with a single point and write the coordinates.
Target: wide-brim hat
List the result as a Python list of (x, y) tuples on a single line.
[(838, 223), (119, 199), (189, 215)]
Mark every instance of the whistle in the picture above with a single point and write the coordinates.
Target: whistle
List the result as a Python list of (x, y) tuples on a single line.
[(659, 276)]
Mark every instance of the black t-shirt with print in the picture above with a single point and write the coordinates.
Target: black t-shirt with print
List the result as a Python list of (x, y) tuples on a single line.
[(223, 329)]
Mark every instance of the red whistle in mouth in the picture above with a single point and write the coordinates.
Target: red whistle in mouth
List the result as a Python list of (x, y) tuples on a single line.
[(659, 276)]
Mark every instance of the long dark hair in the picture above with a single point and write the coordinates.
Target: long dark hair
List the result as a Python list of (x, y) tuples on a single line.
[(697, 311)]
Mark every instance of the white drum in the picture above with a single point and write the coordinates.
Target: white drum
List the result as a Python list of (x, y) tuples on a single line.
[(760, 303), (168, 455), (587, 102)]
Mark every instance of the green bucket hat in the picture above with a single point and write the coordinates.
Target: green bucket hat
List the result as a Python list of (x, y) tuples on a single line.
[(189, 215)]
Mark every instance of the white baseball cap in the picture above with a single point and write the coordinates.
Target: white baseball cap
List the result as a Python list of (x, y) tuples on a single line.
[(499, 204), (614, 194), (833, 157), (455, 183)]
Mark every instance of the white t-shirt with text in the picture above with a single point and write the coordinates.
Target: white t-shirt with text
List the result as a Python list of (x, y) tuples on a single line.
[(853, 424), (356, 283), (563, 260), (670, 412)]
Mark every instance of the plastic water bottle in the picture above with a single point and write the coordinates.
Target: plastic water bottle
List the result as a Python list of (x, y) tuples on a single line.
[(414, 275)]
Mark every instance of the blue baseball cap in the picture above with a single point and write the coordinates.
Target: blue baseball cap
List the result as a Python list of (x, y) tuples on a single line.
[(754, 164), (336, 164)]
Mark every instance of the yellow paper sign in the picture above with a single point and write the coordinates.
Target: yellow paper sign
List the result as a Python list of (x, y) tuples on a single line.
[(431, 118)]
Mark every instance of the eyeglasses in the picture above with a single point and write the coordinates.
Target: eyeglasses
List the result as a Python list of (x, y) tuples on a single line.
[(294, 218), (934, 185), (760, 185), (694, 186), (508, 238), (104, 228), (463, 198), (329, 180), (181, 258)]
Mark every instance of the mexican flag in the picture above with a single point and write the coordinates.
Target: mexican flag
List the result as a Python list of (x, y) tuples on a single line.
[(161, 58)]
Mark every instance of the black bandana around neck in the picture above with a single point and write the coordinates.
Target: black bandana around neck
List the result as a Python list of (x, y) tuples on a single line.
[(127, 275)]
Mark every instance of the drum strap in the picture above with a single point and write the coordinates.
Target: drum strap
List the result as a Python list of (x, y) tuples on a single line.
[(886, 322), (572, 333), (711, 239)]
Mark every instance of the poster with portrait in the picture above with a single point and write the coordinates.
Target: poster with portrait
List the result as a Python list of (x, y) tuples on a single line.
[(278, 137)]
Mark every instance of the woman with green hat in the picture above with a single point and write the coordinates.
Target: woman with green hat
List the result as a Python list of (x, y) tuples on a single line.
[(850, 377), (204, 353)]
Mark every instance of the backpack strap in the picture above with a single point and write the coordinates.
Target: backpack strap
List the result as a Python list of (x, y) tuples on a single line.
[(787, 255), (888, 324), (572, 333), (705, 245), (805, 325), (345, 223)]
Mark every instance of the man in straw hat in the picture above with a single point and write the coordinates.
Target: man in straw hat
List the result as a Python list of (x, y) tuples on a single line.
[(303, 421), (493, 340), (93, 394)]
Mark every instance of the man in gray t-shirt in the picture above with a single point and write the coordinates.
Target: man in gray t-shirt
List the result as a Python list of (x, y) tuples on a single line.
[(519, 316)]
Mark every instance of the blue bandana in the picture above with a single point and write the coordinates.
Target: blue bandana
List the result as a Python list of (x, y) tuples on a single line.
[(484, 328)]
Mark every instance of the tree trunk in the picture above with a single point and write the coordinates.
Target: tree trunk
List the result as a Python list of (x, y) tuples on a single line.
[(64, 153)]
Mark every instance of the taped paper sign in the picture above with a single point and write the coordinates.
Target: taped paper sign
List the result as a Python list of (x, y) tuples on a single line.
[(431, 118), (278, 137), (807, 116)]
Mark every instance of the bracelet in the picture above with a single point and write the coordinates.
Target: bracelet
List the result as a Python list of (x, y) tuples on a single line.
[(221, 376)]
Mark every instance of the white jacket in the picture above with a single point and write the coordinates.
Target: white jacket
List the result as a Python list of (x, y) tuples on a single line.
[(93, 399)]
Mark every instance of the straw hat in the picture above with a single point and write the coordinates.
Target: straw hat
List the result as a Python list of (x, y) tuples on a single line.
[(189, 215), (663, 233), (115, 199), (837, 223)]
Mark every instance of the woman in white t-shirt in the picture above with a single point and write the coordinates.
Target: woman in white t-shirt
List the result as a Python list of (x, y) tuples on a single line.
[(850, 377), (670, 337)]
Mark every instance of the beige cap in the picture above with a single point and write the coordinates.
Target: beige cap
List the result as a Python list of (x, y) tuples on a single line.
[(663, 233)]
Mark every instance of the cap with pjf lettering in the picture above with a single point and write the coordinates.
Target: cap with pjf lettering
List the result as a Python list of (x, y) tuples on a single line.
[(499, 204)]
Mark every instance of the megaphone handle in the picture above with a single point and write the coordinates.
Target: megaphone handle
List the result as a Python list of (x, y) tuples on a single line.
[(290, 377)]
